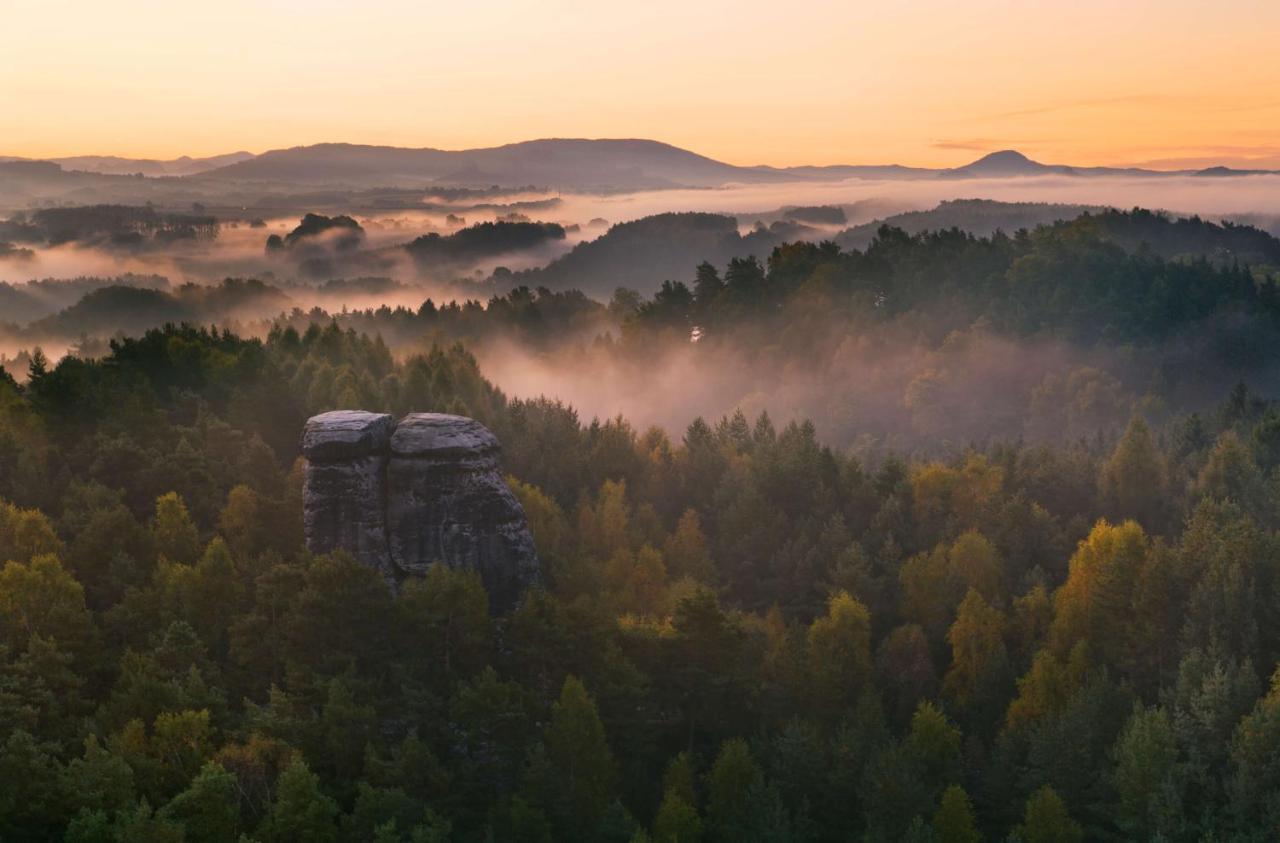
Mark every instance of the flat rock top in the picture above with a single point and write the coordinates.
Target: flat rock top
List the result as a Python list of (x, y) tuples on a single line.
[(344, 434), (442, 435)]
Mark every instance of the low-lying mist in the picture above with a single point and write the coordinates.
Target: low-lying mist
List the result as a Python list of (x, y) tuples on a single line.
[(888, 389), (871, 198), (898, 384), (239, 248)]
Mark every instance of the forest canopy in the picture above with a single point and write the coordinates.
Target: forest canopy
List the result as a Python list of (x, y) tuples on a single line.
[(745, 632), (916, 343)]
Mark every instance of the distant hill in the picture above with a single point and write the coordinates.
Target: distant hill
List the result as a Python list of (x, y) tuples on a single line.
[(569, 164), (484, 240), (816, 215), (21, 181), (133, 310), (1217, 172), (32, 300), (606, 164), (1004, 164), (1183, 238), (1009, 163), (980, 217), (1168, 236), (26, 183), (116, 166), (643, 253), (118, 225), (582, 164), (555, 163), (129, 309), (23, 169), (113, 165), (837, 172)]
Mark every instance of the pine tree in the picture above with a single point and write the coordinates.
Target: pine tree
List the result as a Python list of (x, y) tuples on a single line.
[(209, 809), (733, 778), (839, 654), (978, 655), (953, 821), (301, 811), (1096, 602), (706, 284), (176, 536), (580, 754), (676, 821), (686, 551), (1132, 480), (1146, 775), (1047, 821)]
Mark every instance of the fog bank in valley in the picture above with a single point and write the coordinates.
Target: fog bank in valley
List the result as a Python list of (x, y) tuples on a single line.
[(898, 385)]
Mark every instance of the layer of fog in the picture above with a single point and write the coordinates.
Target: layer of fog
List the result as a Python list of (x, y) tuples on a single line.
[(884, 390), (1203, 195), (889, 392), (239, 249)]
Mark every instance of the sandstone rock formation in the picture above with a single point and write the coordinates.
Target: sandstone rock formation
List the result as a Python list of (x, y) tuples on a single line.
[(446, 500), (402, 496), (344, 485)]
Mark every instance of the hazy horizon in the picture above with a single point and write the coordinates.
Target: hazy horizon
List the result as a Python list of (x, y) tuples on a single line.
[(958, 158), (937, 84)]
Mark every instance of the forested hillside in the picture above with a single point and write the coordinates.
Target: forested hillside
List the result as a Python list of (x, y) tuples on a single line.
[(745, 635), (921, 343), (982, 217), (640, 254)]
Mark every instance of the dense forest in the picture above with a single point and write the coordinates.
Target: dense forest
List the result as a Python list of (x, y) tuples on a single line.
[(114, 226), (925, 342), (745, 633), (919, 343), (482, 240)]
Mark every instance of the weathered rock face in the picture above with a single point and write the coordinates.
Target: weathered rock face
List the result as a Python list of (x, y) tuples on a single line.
[(344, 496), (447, 501), (403, 496)]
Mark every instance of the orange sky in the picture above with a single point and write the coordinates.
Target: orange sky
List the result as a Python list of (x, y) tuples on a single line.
[(931, 83)]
